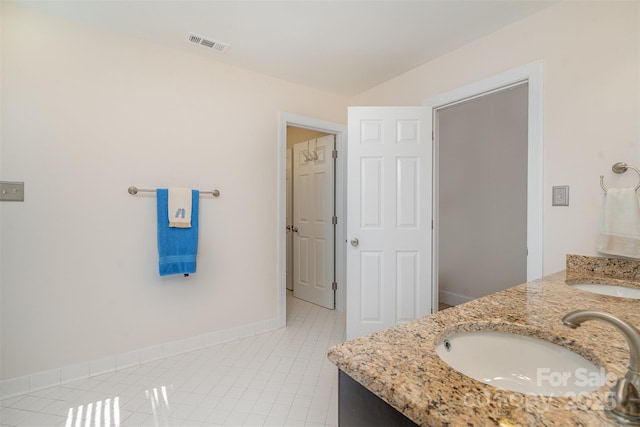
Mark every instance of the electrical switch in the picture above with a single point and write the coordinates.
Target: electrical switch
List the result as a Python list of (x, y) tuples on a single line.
[(561, 195)]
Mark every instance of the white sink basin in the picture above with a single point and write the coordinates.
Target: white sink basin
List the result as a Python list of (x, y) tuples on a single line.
[(520, 363), (611, 290)]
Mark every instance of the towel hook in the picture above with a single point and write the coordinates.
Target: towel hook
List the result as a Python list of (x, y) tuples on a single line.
[(307, 154), (620, 167)]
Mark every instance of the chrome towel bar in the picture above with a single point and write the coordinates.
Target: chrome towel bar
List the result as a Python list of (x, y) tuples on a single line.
[(135, 190), (620, 167)]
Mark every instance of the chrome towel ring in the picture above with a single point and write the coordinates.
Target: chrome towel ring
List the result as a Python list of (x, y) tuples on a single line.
[(620, 167)]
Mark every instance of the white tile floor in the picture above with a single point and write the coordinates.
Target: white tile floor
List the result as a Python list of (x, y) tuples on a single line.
[(280, 378)]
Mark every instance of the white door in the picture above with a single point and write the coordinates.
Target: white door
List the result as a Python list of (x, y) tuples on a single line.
[(289, 219), (313, 207), (389, 221)]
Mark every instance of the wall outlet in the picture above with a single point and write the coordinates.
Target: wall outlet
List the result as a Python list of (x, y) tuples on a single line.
[(560, 195)]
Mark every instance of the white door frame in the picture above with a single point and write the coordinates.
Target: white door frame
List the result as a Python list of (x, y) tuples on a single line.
[(340, 131), (533, 74), (289, 213)]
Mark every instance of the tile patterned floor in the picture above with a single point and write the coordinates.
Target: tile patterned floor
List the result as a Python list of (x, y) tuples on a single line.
[(280, 378)]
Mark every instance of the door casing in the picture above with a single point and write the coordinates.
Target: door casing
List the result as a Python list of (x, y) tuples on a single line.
[(289, 220), (532, 74), (340, 131)]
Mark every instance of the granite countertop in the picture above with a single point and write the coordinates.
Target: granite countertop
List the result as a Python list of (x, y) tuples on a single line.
[(401, 367)]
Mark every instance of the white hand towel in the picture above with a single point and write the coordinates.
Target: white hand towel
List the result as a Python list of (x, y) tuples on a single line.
[(620, 234), (179, 207)]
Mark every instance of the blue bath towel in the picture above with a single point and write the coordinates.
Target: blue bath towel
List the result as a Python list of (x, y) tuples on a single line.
[(177, 247)]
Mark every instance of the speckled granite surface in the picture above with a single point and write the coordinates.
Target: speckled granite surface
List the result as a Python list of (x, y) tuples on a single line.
[(400, 364)]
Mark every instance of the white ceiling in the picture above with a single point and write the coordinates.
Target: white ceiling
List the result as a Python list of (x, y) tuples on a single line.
[(343, 47)]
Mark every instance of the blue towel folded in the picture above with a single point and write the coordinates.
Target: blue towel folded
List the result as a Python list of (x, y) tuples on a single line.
[(177, 247)]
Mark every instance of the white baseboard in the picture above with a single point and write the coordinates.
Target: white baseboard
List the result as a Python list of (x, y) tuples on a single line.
[(450, 298), (53, 377)]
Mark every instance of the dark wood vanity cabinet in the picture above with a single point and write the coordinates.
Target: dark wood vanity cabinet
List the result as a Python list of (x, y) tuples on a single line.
[(359, 407)]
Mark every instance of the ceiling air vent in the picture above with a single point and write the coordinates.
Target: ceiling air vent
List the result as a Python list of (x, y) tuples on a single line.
[(216, 45)]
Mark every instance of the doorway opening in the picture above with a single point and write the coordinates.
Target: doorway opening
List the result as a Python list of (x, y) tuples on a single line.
[(525, 83), (532, 74), (311, 218), (333, 131), (481, 146)]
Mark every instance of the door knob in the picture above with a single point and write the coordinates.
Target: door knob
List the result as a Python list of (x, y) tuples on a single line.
[(288, 228), (295, 229), (354, 242)]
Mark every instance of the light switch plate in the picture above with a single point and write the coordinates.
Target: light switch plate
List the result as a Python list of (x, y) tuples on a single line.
[(560, 195), (11, 191)]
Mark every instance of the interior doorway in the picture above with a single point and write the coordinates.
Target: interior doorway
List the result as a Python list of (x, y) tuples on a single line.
[(531, 74), (310, 215), (294, 135), (309, 127), (481, 146)]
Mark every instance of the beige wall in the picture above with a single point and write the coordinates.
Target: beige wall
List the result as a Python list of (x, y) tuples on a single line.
[(87, 113), (591, 54), (296, 134)]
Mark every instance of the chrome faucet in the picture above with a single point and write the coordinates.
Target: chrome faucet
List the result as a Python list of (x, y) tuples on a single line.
[(626, 391)]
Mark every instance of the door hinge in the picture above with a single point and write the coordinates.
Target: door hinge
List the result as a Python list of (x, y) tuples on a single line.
[(334, 220), (334, 154), (334, 285)]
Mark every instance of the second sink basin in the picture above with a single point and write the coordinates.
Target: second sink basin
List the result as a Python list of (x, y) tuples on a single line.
[(520, 363), (611, 290)]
